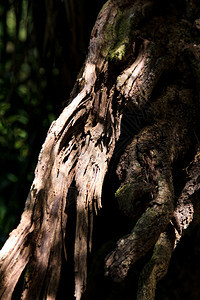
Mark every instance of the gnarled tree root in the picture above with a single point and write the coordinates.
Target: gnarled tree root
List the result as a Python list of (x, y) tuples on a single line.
[(157, 266), (184, 213), (147, 161)]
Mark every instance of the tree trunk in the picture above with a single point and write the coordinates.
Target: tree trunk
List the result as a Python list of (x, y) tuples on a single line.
[(143, 60)]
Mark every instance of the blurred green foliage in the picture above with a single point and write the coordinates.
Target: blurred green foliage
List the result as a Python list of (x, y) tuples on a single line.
[(18, 96), (42, 47)]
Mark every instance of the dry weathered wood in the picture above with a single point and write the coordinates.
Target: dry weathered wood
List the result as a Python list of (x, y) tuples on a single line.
[(78, 148), (15, 254), (134, 49)]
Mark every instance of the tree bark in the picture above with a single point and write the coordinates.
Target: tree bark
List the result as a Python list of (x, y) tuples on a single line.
[(142, 57)]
